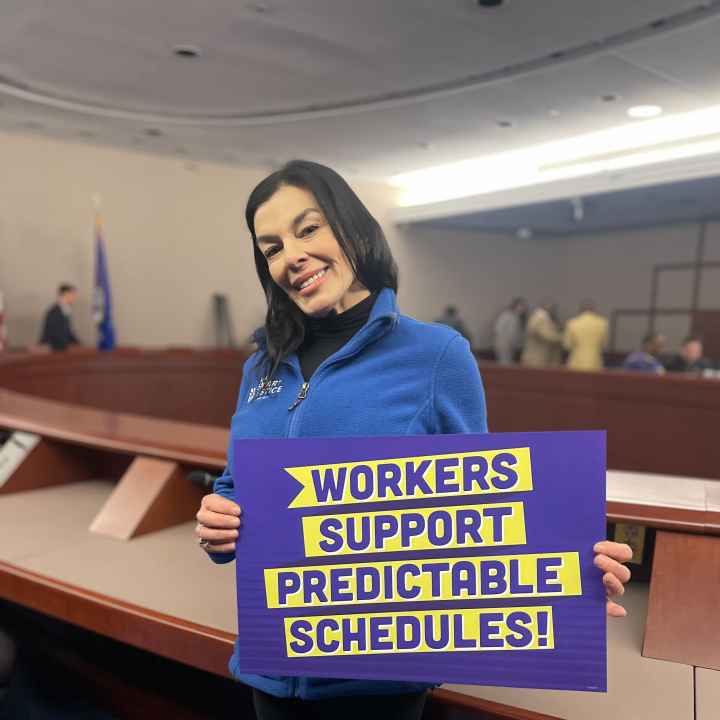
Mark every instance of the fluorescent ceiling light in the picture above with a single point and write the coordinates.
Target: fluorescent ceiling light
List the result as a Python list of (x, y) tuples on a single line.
[(644, 111), (674, 137)]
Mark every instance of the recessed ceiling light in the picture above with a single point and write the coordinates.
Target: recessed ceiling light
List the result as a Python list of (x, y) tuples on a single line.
[(610, 97), (153, 132), (424, 145), (186, 51), (489, 3), (644, 111), (554, 113), (505, 123)]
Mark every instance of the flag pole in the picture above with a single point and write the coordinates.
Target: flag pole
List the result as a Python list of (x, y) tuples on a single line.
[(102, 305), (97, 201)]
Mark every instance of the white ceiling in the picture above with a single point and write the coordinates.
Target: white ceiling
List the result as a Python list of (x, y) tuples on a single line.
[(376, 87)]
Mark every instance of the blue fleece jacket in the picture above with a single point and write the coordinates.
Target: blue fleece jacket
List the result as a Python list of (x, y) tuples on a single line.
[(396, 376)]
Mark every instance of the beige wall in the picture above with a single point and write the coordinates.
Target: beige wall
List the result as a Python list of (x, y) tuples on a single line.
[(480, 273), (175, 234)]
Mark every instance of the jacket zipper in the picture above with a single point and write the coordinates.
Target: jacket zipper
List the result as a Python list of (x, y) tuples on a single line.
[(301, 396), (329, 362)]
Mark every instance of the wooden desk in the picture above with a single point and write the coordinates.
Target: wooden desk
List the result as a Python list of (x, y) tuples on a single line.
[(683, 622), (638, 687), (642, 415), (707, 694), (160, 593), (117, 432)]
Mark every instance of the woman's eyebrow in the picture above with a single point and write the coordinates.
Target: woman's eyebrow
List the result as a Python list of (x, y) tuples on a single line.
[(294, 224)]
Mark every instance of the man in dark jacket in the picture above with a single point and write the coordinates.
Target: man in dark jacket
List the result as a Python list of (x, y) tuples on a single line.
[(690, 359), (57, 329)]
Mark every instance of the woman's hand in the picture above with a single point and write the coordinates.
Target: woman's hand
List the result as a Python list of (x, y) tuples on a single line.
[(608, 557), (218, 523)]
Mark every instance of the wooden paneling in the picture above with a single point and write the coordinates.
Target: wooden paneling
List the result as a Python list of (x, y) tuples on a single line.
[(186, 385), (654, 424), (683, 623), (657, 424)]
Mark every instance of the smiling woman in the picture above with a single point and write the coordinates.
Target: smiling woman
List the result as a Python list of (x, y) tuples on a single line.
[(318, 250), (337, 358), (304, 259)]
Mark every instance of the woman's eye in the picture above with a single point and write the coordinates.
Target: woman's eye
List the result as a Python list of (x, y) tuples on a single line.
[(309, 230), (269, 252)]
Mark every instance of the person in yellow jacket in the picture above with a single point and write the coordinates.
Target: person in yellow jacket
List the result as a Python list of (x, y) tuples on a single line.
[(585, 338), (543, 338)]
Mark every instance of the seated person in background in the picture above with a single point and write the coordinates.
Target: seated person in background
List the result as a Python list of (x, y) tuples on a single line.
[(646, 360), (690, 359), (57, 329), (543, 339), (585, 338), (508, 331), (451, 318)]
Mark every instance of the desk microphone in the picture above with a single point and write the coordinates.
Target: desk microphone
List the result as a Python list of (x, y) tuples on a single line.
[(202, 479)]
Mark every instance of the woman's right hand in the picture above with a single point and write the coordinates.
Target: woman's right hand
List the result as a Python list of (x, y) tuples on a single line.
[(218, 524)]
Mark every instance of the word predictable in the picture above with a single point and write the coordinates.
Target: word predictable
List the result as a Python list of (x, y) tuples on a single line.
[(499, 576)]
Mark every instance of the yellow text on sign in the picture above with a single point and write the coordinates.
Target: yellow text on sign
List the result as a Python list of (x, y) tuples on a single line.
[(471, 578), (443, 528), (458, 630), (412, 478)]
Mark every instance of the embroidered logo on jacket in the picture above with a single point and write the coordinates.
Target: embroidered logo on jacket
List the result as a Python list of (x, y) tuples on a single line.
[(265, 388)]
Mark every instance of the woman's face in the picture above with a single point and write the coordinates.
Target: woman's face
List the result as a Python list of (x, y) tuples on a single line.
[(303, 256)]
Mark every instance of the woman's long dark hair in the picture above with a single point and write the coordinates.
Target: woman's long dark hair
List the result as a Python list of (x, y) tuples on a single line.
[(358, 233)]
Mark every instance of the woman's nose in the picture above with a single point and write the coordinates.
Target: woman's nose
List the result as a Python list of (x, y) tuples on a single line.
[(295, 253)]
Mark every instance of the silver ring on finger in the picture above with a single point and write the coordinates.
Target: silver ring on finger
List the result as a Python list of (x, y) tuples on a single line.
[(203, 543)]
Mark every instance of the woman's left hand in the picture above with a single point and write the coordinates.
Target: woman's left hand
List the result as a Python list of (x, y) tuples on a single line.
[(609, 557)]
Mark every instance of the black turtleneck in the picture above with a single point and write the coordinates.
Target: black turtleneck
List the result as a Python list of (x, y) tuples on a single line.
[(326, 335)]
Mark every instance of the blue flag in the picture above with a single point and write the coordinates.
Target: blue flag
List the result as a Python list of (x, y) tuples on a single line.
[(102, 301)]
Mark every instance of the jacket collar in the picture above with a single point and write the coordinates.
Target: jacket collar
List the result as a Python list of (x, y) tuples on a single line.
[(383, 318)]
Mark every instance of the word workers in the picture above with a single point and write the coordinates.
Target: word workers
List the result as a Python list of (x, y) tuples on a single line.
[(458, 526), (521, 628), (473, 473), (472, 578)]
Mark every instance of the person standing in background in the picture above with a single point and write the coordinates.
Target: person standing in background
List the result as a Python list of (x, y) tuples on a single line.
[(57, 329), (543, 339), (585, 338), (508, 331), (451, 318), (646, 360)]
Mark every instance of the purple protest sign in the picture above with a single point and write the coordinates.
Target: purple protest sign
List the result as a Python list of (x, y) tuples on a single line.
[(438, 558)]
